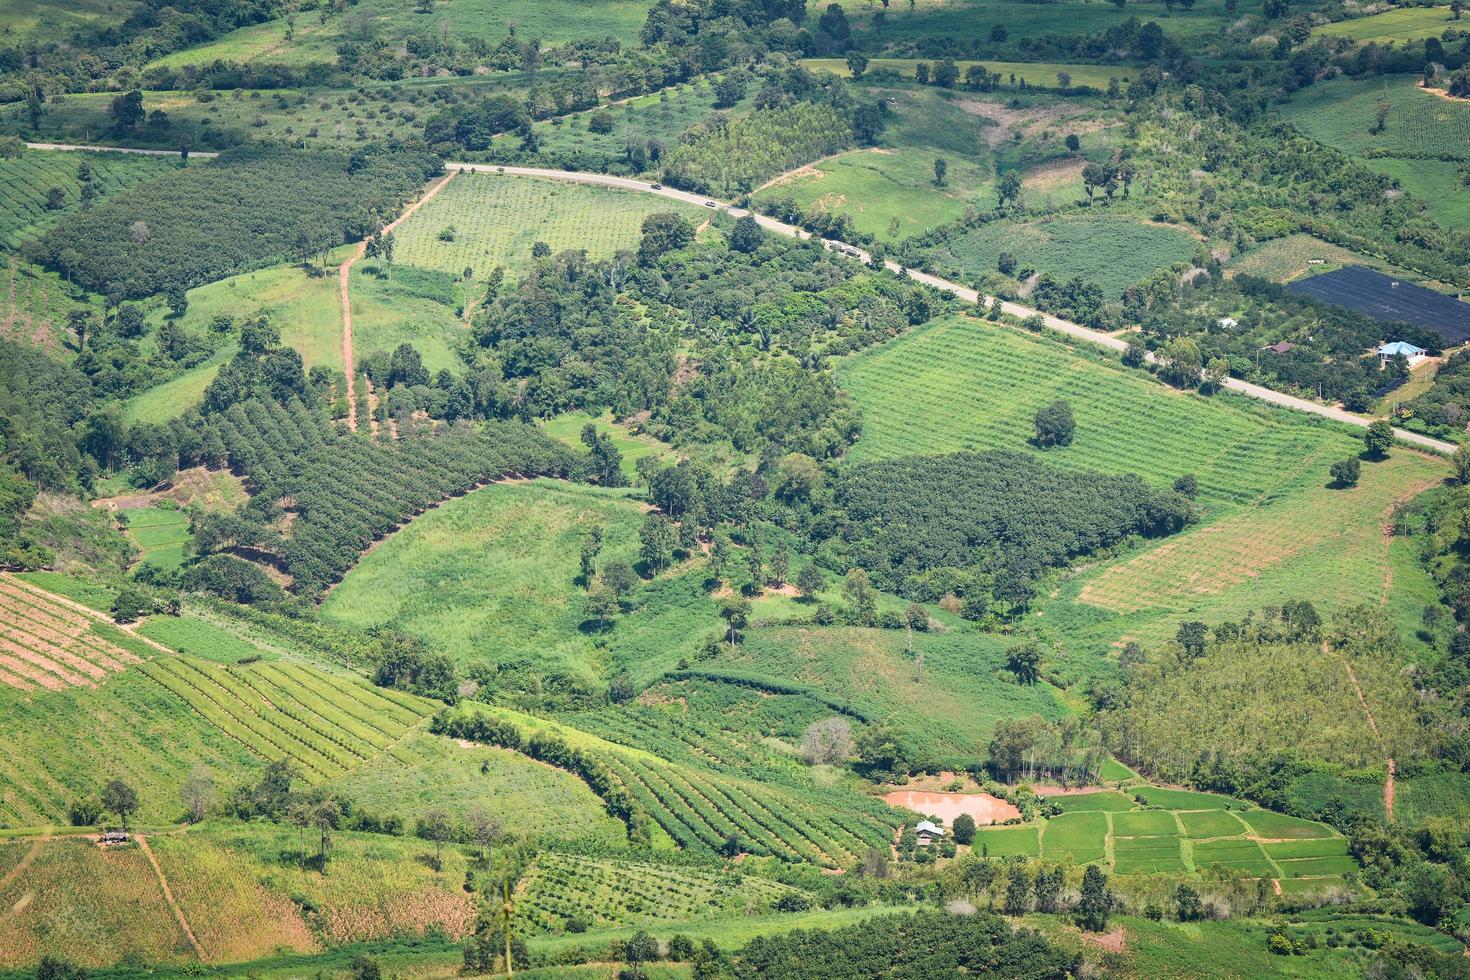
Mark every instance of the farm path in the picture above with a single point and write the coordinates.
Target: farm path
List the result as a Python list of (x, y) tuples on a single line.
[(24, 863), (168, 894), (1388, 783), (1067, 327), (349, 367), (129, 628)]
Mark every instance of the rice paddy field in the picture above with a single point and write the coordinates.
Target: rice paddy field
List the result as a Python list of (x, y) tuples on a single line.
[(1399, 25), (965, 384), (1340, 113), (25, 182), (161, 534), (496, 219), (1111, 250), (491, 576), (1197, 832)]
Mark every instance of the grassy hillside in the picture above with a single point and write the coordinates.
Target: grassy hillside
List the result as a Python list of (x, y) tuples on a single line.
[(1342, 113), (1271, 528), (1405, 24), (491, 576)]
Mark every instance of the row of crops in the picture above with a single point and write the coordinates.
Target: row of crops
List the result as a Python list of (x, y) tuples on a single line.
[(25, 182), (967, 384), (46, 645), (703, 811), (1104, 828), (324, 724), (349, 490), (603, 893)]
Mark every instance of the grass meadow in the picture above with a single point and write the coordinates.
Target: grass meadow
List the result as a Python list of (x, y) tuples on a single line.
[(497, 219), (491, 576), (315, 41), (1404, 24), (1435, 182), (1299, 255), (1270, 526), (23, 20), (1111, 250), (176, 396), (428, 772), (568, 428), (966, 19)]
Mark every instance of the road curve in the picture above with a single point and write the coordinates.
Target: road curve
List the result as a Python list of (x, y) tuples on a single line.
[(1067, 327), (89, 148)]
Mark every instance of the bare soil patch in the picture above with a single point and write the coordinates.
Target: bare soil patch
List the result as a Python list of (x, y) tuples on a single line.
[(986, 809)]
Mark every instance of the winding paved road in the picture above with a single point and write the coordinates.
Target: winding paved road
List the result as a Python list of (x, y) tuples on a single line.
[(1074, 330)]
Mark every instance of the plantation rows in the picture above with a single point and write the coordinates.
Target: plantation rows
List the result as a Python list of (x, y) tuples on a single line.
[(701, 811), (497, 219), (25, 182), (348, 491), (603, 893), (324, 724), (44, 644), (986, 383)]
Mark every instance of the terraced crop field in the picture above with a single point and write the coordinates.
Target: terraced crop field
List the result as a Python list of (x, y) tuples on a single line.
[(25, 182), (161, 534), (323, 723), (1075, 837), (496, 219), (605, 893), (1317, 858), (47, 645)]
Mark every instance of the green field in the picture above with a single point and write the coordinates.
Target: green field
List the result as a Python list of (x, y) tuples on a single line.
[(1076, 838), (1244, 856), (1034, 73), (1276, 826), (1204, 824), (603, 893), (1008, 841), (428, 772), (1145, 823), (1090, 802), (25, 20), (418, 306), (26, 180), (1435, 182), (1437, 795), (568, 428), (468, 21), (325, 724), (1146, 855), (1112, 251), (962, 384), (1299, 255), (1341, 112), (1183, 799), (161, 534), (966, 19), (951, 714), (496, 219), (1393, 26), (491, 577), (175, 397), (189, 634)]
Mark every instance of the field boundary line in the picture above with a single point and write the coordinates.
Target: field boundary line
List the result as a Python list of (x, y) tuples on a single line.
[(168, 895), (344, 290), (1388, 782)]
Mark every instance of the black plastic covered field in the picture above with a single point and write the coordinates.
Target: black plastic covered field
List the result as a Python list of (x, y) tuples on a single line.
[(1390, 300)]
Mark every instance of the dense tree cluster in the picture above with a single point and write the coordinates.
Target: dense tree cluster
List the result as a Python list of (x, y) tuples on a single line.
[(986, 524), (927, 946), (245, 210), (346, 491)]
